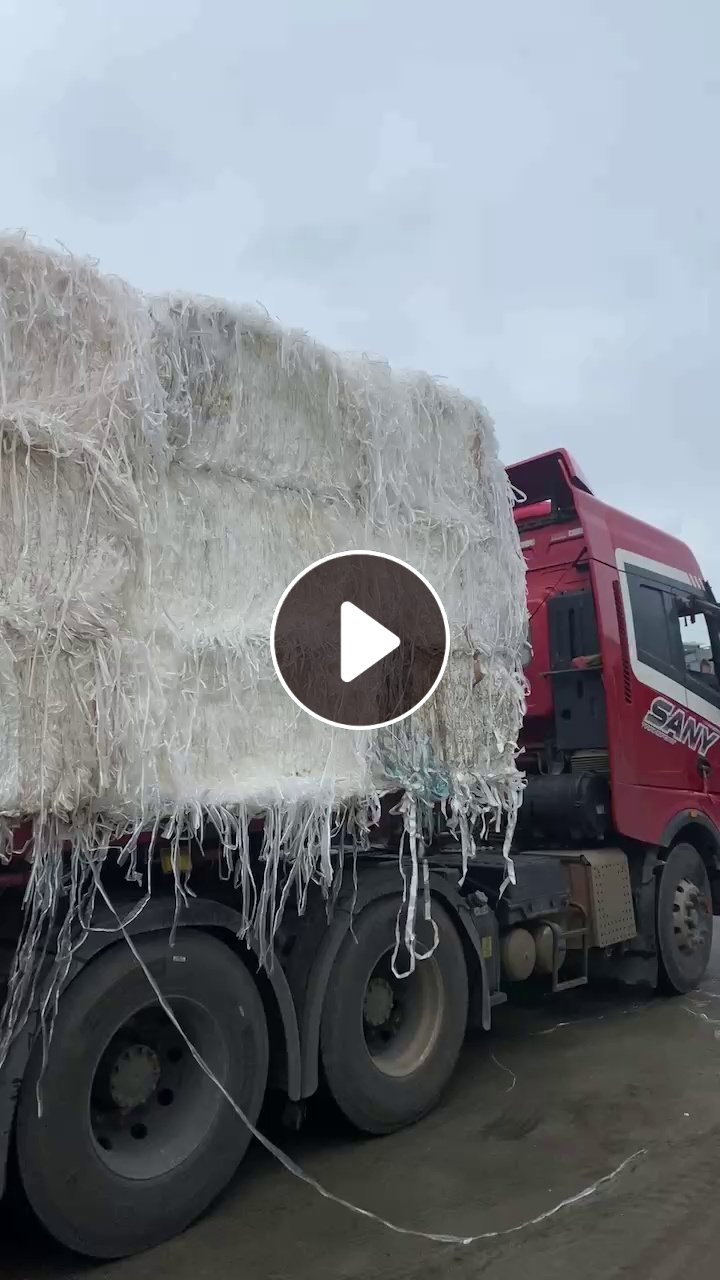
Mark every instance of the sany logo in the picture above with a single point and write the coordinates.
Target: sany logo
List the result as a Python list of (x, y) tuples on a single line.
[(675, 725)]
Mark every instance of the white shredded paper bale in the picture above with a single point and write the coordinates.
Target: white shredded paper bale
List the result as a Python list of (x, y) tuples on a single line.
[(166, 467)]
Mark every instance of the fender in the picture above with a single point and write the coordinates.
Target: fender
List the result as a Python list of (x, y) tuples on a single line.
[(157, 915), (691, 818), (378, 884), (702, 832)]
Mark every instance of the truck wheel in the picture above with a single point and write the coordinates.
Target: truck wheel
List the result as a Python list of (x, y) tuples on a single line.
[(389, 1046), (684, 920), (134, 1140)]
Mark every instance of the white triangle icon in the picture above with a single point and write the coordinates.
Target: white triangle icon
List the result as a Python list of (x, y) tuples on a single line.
[(363, 642)]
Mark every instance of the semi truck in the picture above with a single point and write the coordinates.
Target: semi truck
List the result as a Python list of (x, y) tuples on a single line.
[(114, 1133)]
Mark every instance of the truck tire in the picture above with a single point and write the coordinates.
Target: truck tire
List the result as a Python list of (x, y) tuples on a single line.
[(389, 1046), (134, 1141), (684, 920)]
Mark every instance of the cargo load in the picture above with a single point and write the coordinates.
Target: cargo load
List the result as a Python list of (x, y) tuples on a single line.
[(167, 466)]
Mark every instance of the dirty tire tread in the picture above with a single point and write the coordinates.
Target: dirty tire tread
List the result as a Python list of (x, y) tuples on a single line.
[(80, 1201), (673, 979)]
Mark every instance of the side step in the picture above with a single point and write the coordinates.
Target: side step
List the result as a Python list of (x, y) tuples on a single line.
[(560, 951)]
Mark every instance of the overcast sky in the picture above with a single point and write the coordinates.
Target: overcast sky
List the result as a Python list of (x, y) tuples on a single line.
[(520, 197)]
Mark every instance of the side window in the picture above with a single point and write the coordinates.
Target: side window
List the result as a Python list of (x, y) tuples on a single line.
[(657, 626), (701, 647), (676, 633)]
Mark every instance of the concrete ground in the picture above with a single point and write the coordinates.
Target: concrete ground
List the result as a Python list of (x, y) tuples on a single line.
[(558, 1096)]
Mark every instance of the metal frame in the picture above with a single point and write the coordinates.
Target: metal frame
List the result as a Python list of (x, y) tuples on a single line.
[(584, 932)]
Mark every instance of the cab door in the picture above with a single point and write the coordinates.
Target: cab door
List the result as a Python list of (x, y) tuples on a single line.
[(702, 683), (658, 664)]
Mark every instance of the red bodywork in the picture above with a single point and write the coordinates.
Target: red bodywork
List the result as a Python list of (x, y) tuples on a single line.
[(572, 540)]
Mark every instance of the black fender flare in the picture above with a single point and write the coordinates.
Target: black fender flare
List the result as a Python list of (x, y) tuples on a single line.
[(701, 832), (690, 818), (158, 914), (380, 884)]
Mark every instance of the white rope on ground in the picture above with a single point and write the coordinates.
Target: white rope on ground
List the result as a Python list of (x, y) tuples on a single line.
[(571, 1022), (290, 1165), (513, 1077), (696, 1013)]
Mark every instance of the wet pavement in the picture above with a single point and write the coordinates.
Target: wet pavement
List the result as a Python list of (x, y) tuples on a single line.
[(557, 1097)]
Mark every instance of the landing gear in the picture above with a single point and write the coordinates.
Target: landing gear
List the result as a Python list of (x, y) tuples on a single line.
[(684, 920)]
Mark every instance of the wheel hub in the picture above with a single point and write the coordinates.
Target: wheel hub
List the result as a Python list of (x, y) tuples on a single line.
[(149, 1102), (402, 1017), (689, 916), (379, 1002), (134, 1076)]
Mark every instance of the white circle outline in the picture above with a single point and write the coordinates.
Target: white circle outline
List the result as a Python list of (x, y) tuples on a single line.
[(381, 724)]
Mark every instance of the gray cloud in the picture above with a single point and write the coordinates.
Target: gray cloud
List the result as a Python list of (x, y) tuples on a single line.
[(108, 153), (520, 198)]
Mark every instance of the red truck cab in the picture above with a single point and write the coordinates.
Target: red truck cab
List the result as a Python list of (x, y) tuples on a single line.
[(612, 695)]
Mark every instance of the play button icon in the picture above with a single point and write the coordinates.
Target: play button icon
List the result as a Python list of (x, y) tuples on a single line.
[(363, 642), (360, 639)]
